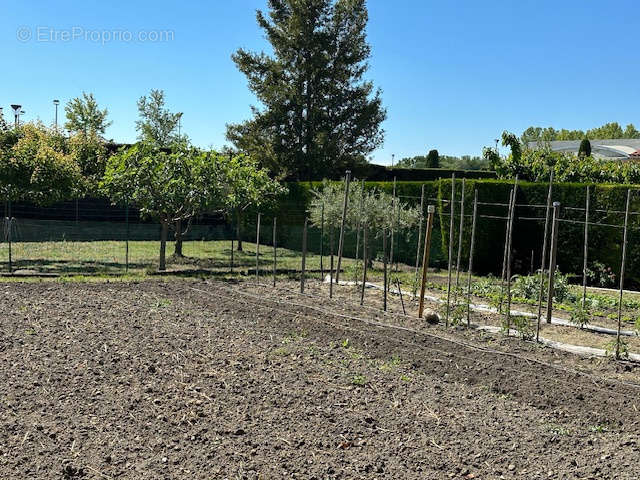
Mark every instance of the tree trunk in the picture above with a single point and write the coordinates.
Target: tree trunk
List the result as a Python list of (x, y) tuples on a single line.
[(239, 230), (163, 245), (178, 246)]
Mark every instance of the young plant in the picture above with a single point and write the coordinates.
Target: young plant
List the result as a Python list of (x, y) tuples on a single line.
[(580, 316)]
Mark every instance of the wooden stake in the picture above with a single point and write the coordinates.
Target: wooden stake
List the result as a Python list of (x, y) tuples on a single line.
[(622, 271), (552, 259), (275, 256), (364, 263), (404, 311), (506, 248), (304, 254), (393, 221), (258, 248), (345, 204), (543, 256), (360, 219), (419, 234), (126, 256), (452, 211), (471, 248), (322, 242), (425, 257), (586, 251)]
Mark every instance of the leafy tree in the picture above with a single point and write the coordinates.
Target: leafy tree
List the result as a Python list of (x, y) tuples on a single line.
[(3, 124), (607, 131), (320, 114), (433, 159), (245, 185), (157, 125), (585, 148), (167, 186), (378, 210), (511, 141), (491, 156), (84, 116), (631, 132), (35, 166)]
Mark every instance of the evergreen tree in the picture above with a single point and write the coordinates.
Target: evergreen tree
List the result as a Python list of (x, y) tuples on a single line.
[(433, 159), (585, 148), (320, 115)]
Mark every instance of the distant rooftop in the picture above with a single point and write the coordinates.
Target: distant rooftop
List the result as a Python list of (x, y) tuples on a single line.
[(610, 149)]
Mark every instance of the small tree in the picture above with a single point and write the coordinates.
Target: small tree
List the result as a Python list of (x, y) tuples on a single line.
[(585, 148), (157, 124), (84, 116), (167, 186), (433, 159)]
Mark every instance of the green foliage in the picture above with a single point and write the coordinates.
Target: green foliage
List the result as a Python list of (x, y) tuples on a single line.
[(35, 165), (448, 162), (157, 124), (89, 153), (511, 141), (524, 326), (84, 116), (607, 131), (617, 345), (321, 115), (433, 159), (580, 316), (599, 275)]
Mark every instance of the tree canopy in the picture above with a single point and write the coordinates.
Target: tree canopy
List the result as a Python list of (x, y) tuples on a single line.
[(157, 125), (606, 131), (84, 116), (319, 114)]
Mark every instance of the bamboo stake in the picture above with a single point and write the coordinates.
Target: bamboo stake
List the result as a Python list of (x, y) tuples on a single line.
[(543, 256), (342, 224), (275, 255), (451, 220), (258, 248), (552, 259), (360, 219), (304, 254), (393, 221), (425, 257), (511, 220), (385, 260), (471, 248), (622, 271), (404, 311), (331, 246), (460, 233), (586, 251), (364, 263), (322, 242), (419, 234), (126, 247)]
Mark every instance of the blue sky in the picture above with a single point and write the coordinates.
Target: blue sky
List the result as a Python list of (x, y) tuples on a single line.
[(454, 74)]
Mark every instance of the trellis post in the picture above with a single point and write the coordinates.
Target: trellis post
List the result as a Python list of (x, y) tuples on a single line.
[(419, 234), (304, 254), (586, 251), (622, 271), (364, 262), (425, 257), (543, 256), (451, 228), (471, 248), (275, 254), (342, 224), (552, 259), (258, 247)]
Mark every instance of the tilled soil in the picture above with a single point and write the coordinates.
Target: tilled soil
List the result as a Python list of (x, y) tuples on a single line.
[(213, 380)]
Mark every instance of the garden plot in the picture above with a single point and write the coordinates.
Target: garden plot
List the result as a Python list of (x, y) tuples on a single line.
[(216, 380)]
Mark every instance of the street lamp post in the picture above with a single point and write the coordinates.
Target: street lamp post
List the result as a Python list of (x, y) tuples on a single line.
[(56, 102), (16, 113)]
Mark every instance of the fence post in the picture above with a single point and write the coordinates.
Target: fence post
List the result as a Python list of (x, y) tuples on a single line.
[(364, 263), (451, 220), (460, 233), (342, 224), (275, 255), (586, 251), (552, 259), (622, 271), (258, 248), (471, 247), (360, 219), (231, 258), (425, 257), (543, 256), (304, 253), (9, 233), (419, 235), (385, 260), (126, 257)]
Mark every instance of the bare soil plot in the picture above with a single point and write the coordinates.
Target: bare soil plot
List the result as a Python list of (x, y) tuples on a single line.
[(211, 380)]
